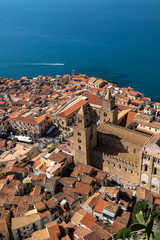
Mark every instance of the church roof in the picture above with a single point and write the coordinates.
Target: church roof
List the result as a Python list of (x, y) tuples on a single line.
[(133, 137)]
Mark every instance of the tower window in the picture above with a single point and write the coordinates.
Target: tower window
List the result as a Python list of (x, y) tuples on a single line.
[(79, 120), (79, 147), (79, 140), (155, 171), (134, 150), (105, 114), (145, 167), (79, 133)]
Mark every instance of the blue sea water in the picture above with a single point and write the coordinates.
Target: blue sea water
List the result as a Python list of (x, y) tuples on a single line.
[(118, 40)]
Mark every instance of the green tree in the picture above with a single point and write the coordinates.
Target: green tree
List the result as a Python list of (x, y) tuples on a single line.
[(123, 233), (28, 189)]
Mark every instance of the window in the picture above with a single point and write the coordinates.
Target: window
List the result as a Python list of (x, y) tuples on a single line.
[(155, 171), (79, 140), (80, 120), (134, 150), (145, 167), (79, 147), (105, 114), (79, 133)]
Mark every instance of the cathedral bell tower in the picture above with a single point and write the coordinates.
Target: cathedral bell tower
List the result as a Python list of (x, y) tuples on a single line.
[(85, 136), (109, 111)]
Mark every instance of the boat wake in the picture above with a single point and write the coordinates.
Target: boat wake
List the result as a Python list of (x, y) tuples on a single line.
[(44, 64)]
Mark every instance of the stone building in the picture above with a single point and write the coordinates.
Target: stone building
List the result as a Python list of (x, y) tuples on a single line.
[(32, 127), (85, 137), (150, 167), (23, 227), (109, 111), (128, 154)]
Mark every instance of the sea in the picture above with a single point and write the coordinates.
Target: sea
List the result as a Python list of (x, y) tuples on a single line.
[(117, 40)]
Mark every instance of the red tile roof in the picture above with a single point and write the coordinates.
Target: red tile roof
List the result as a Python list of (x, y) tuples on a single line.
[(72, 109), (93, 99), (88, 220), (100, 206), (30, 120)]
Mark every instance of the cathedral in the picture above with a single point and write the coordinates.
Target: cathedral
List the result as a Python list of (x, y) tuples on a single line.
[(131, 155)]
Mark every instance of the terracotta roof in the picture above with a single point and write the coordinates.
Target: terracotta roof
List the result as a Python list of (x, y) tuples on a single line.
[(82, 188), (21, 210), (72, 109), (43, 214), (124, 218), (92, 236), (82, 231), (53, 230), (76, 218), (39, 206), (37, 163), (98, 82), (87, 180), (93, 99), (144, 194), (101, 175), (30, 120), (85, 169), (112, 207), (100, 206), (128, 119), (56, 157), (131, 92), (157, 201), (100, 231), (116, 227), (122, 107), (40, 235), (92, 79), (111, 190), (41, 176), (88, 220), (51, 202), (3, 226)]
